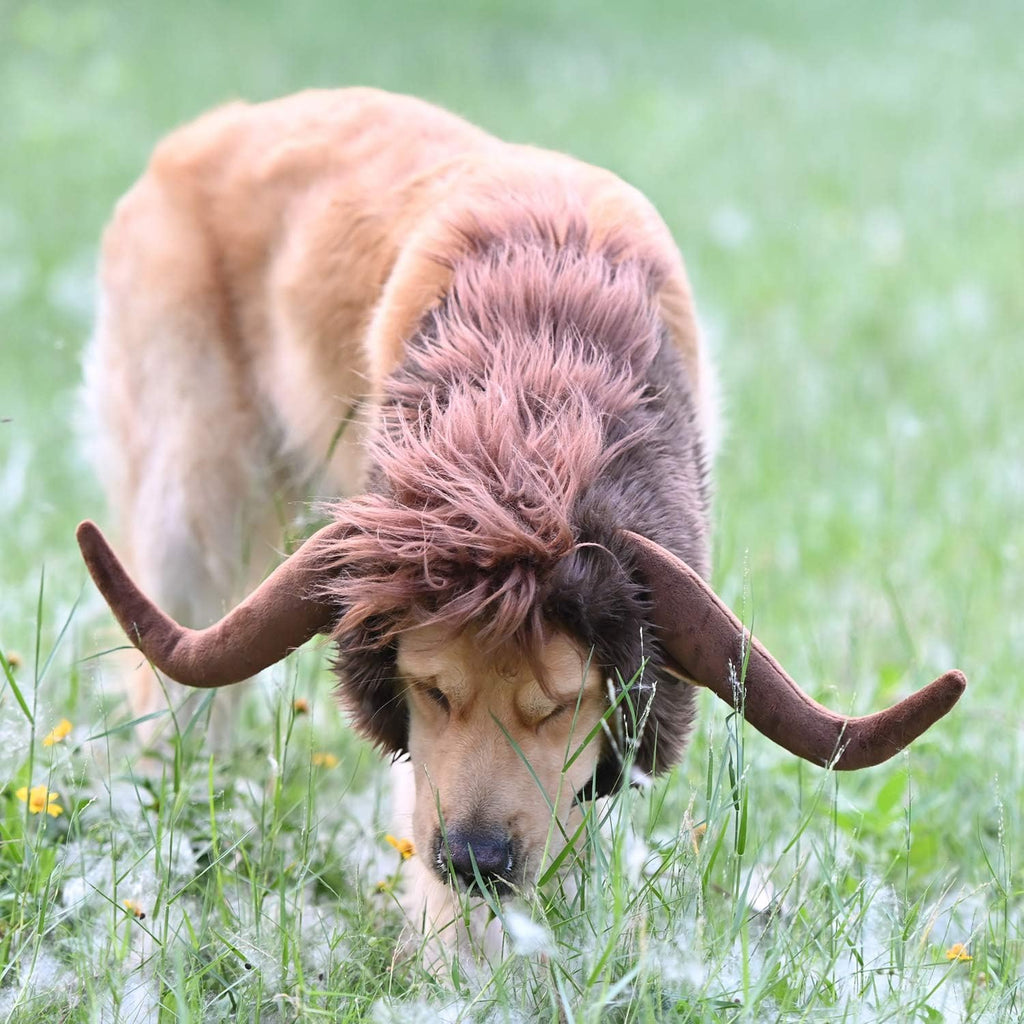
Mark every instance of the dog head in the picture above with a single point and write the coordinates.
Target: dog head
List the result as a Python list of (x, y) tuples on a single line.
[(500, 746)]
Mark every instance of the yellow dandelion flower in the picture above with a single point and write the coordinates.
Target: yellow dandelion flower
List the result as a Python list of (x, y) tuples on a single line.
[(57, 733), (958, 952), (133, 908), (324, 760), (403, 846), (300, 706), (40, 799), (384, 886)]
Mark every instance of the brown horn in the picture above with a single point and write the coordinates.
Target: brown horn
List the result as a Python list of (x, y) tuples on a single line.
[(280, 615), (706, 641)]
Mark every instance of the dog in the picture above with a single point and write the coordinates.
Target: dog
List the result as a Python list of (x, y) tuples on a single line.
[(487, 354)]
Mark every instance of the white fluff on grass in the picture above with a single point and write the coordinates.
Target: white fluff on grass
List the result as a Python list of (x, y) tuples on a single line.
[(38, 976), (313, 924), (88, 874), (365, 817), (13, 737), (678, 962), (84, 875), (138, 1001), (528, 937), (637, 857), (761, 891), (455, 1011), (395, 1011)]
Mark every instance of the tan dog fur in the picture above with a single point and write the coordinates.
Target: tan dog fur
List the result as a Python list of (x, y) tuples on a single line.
[(258, 284), (467, 763)]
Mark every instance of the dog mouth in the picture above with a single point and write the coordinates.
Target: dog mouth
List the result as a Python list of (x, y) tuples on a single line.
[(499, 888)]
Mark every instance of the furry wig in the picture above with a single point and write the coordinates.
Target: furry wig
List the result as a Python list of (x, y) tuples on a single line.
[(516, 437)]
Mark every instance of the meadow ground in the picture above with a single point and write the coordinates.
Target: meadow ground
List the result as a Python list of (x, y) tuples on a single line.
[(846, 182)]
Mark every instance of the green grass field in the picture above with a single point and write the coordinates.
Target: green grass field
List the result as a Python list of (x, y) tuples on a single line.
[(846, 183)]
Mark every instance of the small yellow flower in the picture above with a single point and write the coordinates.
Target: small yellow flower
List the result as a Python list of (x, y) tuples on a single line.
[(403, 846), (40, 799), (697, 835), (384, 886), (57, 733), (14, 659), (133, 908), (324, 760), (300, 706), (958, 952)]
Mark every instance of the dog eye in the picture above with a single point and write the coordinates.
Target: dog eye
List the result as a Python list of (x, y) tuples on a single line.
[(560, 710), (438, 698)]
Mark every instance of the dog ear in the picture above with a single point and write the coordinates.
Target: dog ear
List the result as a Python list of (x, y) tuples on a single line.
[(370, 691), (662, 721), (656, 713), (606, 780), (594, 596)]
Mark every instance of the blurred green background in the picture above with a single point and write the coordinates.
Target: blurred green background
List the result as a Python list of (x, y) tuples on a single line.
[(846, 183)]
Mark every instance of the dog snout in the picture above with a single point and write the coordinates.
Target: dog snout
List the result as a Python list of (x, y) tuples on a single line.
[(491, 848)]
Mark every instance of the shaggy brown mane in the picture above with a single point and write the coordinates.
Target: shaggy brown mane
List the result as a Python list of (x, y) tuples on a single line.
[(493, 427)]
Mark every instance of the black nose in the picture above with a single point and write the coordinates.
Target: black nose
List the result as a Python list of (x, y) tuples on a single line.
[(490, 848)]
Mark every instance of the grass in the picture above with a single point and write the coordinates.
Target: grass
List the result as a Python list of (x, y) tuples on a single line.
[(845, 183)]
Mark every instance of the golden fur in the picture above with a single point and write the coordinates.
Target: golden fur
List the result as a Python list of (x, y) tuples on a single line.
[(259, 285), (465, 767)]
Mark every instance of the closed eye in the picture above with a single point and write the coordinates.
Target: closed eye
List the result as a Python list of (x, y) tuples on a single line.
[(437, 697), (558, 712)]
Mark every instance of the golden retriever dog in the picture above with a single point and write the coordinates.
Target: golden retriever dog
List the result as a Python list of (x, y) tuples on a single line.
[(487, 355)]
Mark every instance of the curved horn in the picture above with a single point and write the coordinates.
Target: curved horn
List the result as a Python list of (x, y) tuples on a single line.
[(705, 639), (280, 615)]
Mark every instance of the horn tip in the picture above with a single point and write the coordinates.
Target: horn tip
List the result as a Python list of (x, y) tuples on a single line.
[(87, 533), (953, 684), (93, 545), (84, 527)]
